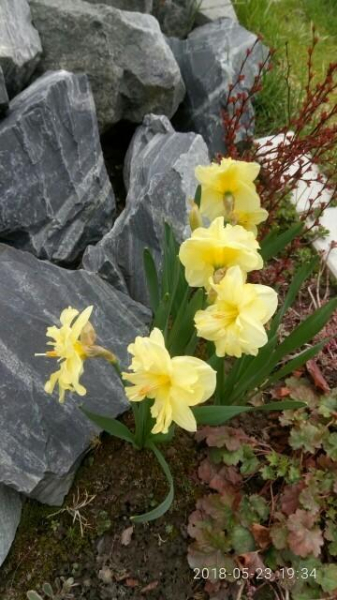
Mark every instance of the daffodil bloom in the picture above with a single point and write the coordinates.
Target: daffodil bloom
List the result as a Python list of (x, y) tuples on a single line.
[(73, 342), (174, 384), (228, 189), (218, 247), (235, 322)]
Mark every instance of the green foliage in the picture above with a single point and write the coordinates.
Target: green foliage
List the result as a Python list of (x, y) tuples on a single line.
[(61, 591), (290, 519)]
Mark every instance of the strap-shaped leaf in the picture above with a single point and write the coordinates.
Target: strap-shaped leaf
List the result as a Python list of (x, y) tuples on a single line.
[(151, 279), (183, 327), (273, 243), (300, 276), (217, 415), (197, 196), (296, 362), (307, 330), (163, 507), (111, 426)]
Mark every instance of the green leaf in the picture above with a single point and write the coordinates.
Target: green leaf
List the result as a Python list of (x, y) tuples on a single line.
[(307, 330), (162, 313), (242, 540), (183, 327), (164, 506), (300, 276), (32, 595), (48, 590), (151, 279), (327, 577), (197, 196), (216, 415), (272, 244), (111, 426), (296, 362)]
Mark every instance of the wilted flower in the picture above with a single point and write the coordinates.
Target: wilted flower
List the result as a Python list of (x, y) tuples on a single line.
[(218, 247), (228, 190), (235, 321), (73, 343), (174, 384)]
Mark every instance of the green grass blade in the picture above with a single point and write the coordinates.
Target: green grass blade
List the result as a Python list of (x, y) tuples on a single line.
[(163, 507), (151, 279), (111, 426), (273, 244)]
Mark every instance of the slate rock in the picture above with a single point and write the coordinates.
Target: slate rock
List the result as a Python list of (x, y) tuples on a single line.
[(210, 59), (4, 100), (10, 513), (142, 6), (126, 57), (20, 45), (176, 17), (55, 195), (160, 177), (42, 442)]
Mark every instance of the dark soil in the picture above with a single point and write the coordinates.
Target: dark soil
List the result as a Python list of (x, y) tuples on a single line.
[(124, 482)]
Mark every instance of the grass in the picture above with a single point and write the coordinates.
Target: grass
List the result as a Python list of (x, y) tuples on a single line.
[(286, 25)]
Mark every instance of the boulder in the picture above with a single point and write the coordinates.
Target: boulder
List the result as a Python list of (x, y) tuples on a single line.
[(210, 60), (160, 178), (4, 101), (142, 6), (131, 68), (55, 195), (10, 513), (20, 45), (176, 17), (42, 442), (211, 10)]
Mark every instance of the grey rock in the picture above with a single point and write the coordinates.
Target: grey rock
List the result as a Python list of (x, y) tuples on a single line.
[(20, 45), (210, 59), (160, 177), (130, 65), (176, 17), (211, 10), (10, 513), (4, 100), (142, 6), (42, 442), (55, 195)]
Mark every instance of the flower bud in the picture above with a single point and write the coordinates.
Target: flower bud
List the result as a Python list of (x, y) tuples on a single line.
[(195, 217)]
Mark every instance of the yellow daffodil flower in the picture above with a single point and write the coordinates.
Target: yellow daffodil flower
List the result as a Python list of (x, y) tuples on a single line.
[(218, 247), (228, 189), (73, 342), (235, 321), (174, 384)]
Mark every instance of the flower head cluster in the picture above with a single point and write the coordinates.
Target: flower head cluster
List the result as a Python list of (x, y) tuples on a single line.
[(228, 189), (235, 322), (175, 384), (218, 247), (73, 342)]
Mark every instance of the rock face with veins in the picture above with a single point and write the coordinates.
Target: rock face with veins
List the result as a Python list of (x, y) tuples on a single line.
[(55, 195), (159, 175), (20, 45), (210, 59)]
